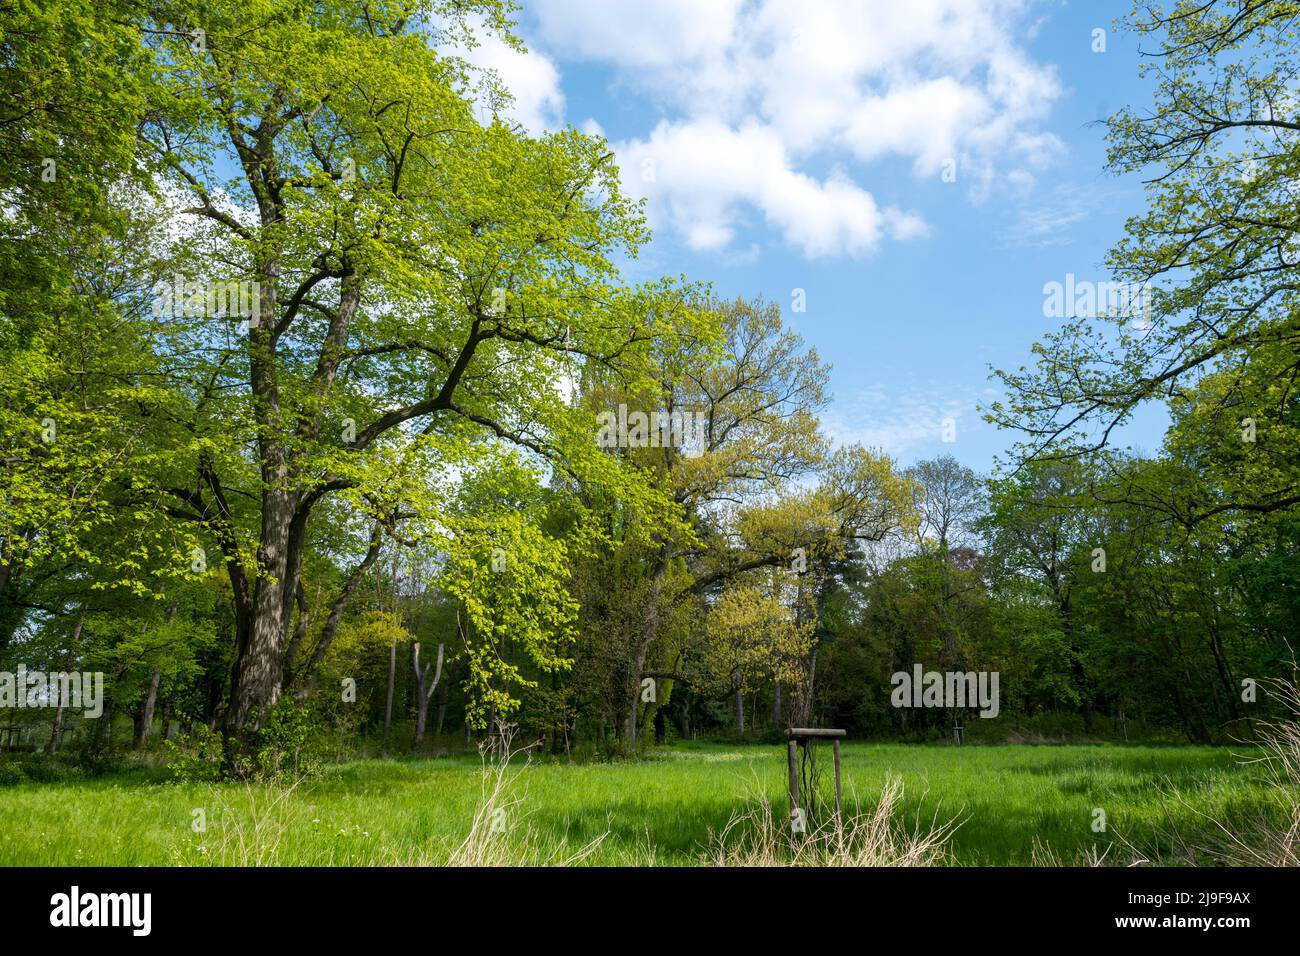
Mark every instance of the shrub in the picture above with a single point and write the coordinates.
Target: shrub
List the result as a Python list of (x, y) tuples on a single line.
[(292, 742), (195, 756), (11, 773), (43, 768)]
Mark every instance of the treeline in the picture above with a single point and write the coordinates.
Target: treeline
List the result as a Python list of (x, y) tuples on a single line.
[(1101, 622)]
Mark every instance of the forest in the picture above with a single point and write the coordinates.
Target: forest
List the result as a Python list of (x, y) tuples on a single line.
[(331, 428)]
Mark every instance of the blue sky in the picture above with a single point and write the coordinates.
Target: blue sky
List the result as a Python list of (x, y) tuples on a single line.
[(789, 144)]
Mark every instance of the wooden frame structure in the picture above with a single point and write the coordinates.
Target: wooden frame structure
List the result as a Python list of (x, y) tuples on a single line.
[(805, 737)]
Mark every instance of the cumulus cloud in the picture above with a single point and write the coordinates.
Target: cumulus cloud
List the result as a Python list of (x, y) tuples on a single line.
[(701, 172), (659, 34), (759, 92), (532, 80)]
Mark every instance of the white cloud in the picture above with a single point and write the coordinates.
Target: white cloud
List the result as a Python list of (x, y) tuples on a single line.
[(531, 78), (642, 33), (1048, 221), (699, 173), (904, 424), (925, 121), (757, 91)]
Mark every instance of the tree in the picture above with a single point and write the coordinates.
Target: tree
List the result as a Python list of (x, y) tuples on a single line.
[(72, 372), (424, 688), (751, 635), (1037, 527), (755, 389), (1211, 264), (418, 285), (950, 502)]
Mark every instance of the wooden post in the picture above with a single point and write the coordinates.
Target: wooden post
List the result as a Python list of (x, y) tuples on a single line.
[(836, 744), (806, 737), (793, 749)]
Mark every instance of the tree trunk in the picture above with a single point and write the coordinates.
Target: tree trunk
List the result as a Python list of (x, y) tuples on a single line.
[(104, 732), (258, 670), (642, 652), (56, 732), (146, 713), (740, 711), (805, 705), (1225, 673), (442, 709), (257, 667), (421, 713), (392, 679), (11, 612), (311, 671), (423, 696), (262, 656), (165, 719)]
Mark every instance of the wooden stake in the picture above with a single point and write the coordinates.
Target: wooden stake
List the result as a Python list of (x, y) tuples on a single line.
[(794, 776), (836, 744)]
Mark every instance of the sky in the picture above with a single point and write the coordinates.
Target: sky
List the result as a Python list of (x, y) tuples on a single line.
[(914, 172)]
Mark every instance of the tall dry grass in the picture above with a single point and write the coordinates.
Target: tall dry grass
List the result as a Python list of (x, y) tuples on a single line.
[(762, 836), (499, 833), (243, 833), (1269, 838)]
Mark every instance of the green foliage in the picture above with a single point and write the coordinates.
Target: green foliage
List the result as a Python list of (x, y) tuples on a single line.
[(291, 744), (196, 756), (400, 445), (11, 773), (42, 769)]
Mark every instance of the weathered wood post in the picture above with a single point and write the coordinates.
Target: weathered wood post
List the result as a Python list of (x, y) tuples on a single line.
[(793, 752), (956, 732), (836, 745), (804, 737)]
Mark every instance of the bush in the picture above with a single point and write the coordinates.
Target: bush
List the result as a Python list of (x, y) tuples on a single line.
[(295, 741), (104, 764), (196, 756), (11, 773), (43, 768), (290, 742)]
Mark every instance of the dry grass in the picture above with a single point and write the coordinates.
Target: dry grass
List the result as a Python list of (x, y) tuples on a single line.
[(499, 834), (1264, 838), (246, 835), (762, 837), (1267, 835), (1041, 854)]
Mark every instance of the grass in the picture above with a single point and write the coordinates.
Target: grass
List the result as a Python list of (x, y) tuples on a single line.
[(1016, 805)]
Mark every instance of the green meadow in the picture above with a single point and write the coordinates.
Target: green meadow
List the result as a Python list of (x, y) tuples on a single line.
[(1017, 805)]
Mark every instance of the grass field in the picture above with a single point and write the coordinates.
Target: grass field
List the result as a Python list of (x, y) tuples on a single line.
[(1013, 802)]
